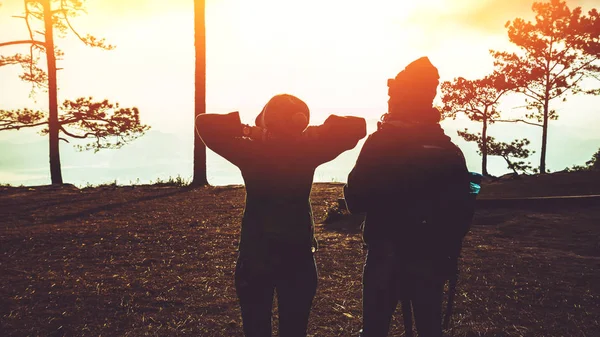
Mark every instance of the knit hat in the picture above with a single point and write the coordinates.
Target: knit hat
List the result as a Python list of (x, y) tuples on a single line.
[(412, 89), (420, 72), (284, 114)]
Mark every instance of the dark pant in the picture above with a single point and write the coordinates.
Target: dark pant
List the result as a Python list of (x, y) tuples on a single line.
[(389, 277), (295, 281)]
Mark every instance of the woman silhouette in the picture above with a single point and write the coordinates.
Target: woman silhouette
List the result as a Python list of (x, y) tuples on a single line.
[(277, 159)]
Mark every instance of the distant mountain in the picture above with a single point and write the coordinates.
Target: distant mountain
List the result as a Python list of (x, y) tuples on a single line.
[(24, 159), (23, 155), (154, 155)]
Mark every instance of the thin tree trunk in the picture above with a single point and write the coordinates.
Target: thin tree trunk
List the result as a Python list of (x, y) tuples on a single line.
[(545, 121), (200, 92), (544, 139), (53, 126), (484, 149), (510, 165)]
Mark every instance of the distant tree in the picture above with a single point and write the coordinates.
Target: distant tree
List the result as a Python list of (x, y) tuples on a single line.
[(594, 163), (199, 178), (478, 100), (510, 152), (590, 165), (557, 52), (49, 15), (108, 124)]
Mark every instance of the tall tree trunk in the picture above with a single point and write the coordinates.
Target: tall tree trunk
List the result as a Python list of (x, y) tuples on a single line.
[(546, 111), (484, 152), (544, 139), (200, 92), (53, 126)]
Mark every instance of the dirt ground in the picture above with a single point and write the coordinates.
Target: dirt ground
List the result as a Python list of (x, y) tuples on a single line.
[(150, 260)]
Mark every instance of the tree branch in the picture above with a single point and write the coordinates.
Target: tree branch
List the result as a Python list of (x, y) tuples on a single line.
[(467, 111), (26, 18), (572, 73), (516, 121), (559, 56), (35, 42), (533, 95), (74, 135), (62, 6), (500, 96), (5, 127), (570, 86), (64, 12)]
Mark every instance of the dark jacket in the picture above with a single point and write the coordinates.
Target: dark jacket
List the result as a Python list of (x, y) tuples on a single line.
[(278, 175), (413, 184)]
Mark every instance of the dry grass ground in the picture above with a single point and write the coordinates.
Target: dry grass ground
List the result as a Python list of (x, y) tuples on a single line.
[(148, 260)]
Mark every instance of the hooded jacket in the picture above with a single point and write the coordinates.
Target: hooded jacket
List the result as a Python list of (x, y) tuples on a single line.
[(278, 176)]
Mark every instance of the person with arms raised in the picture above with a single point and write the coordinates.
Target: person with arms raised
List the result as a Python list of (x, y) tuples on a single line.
[(277, 158)]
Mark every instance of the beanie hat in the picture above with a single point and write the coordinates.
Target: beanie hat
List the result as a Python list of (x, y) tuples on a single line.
[(284, 114), (420, 78), (420, 72)]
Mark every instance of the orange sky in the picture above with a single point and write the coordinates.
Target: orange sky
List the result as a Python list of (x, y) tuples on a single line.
[(335, 54)]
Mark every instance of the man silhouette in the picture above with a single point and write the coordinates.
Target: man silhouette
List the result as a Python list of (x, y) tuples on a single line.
[(278, 158), (413, 184)]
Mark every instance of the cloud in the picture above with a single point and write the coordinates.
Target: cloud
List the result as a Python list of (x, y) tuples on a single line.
[(482, 16)]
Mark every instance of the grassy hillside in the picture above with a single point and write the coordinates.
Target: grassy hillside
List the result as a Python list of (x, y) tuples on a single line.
[(133, 261), (555, 184)]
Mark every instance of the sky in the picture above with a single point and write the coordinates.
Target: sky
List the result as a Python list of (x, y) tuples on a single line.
[(335, 54)]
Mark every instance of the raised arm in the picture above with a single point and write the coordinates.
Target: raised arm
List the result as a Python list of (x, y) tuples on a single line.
[(223, 133), (336, 135)]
